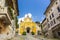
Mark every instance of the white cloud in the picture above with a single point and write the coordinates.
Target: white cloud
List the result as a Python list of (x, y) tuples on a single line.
[(40, 21), (30, 15), (25, 15), (22, 18), (19, 19)]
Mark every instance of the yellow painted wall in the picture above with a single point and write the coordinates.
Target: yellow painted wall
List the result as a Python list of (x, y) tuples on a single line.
[(27, 23)]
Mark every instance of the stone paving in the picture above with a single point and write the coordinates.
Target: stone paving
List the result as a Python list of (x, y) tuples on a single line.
[(26, 37), (44, 38), (29, 37)]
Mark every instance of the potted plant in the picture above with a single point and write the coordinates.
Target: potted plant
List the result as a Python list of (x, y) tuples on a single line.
[(32, 33), (24, 33)]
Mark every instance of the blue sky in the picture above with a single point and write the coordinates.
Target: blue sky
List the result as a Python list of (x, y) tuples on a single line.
[(35, 7)]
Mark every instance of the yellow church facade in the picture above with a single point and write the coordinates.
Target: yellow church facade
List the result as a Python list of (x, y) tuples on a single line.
[(27, 26)]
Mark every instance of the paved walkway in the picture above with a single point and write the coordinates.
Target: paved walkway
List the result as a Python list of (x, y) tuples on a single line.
[(30, 37), (27, 37)]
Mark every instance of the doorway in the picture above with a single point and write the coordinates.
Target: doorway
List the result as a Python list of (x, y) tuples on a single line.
[(28, 29)]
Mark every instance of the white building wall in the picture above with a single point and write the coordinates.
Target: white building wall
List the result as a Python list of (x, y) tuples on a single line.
[(55, 12), (2, 3), (11, 28)]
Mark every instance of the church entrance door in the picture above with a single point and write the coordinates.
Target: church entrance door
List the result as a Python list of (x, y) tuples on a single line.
[(28, 30)]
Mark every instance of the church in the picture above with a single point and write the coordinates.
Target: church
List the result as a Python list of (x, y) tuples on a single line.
[(27, 26)]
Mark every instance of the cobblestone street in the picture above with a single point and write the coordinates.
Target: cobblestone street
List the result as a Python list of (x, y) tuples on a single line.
[(30, 37), (27, 37)]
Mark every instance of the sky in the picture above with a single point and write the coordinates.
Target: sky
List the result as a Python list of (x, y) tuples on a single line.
[(36, 8)]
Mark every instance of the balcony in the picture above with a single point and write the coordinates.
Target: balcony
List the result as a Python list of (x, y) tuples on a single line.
[(5, 15), (58, 18)]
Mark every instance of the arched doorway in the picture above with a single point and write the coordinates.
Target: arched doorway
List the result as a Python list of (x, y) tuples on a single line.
[(28, 29)]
